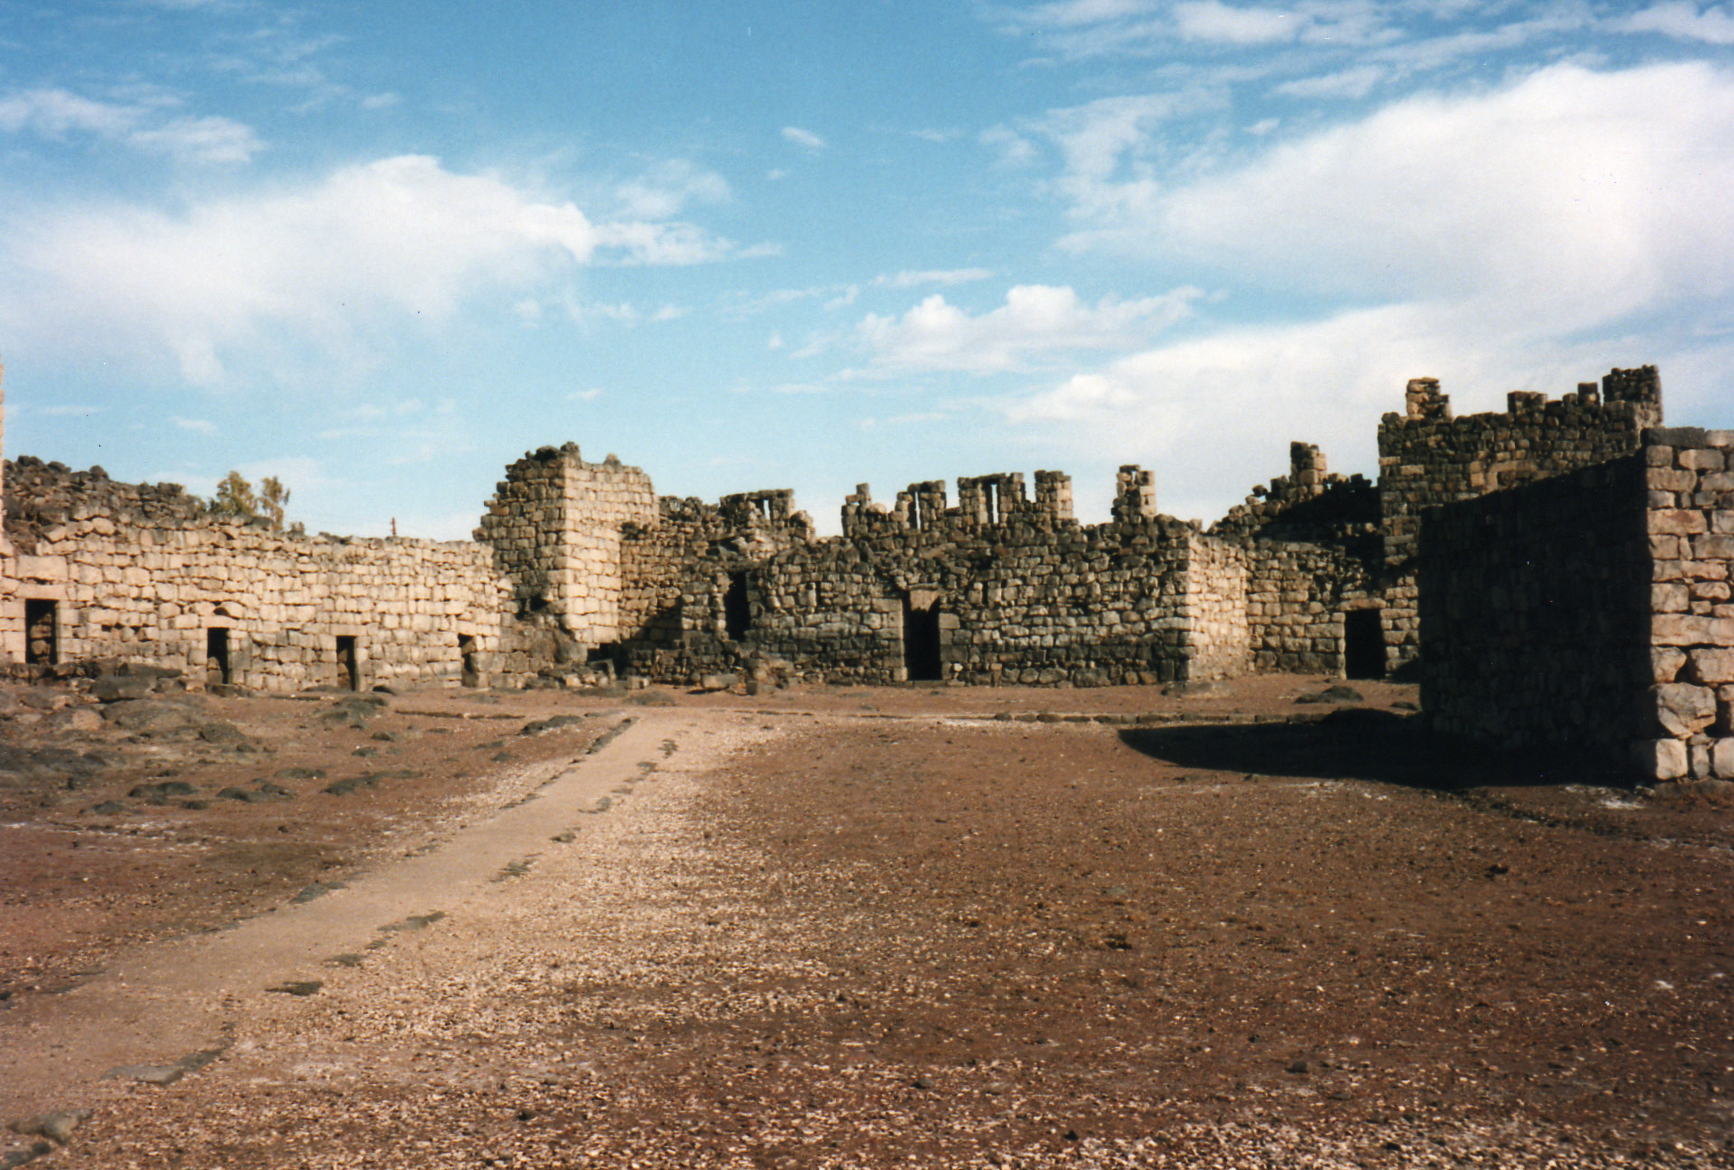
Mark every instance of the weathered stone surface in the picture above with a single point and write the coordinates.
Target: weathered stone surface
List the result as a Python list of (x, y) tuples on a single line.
[(1665, 663), (1710, 666), (1683, 709), (1661, 759)]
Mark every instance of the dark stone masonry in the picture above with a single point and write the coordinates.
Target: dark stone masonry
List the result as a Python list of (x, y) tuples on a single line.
[(1557, 575)]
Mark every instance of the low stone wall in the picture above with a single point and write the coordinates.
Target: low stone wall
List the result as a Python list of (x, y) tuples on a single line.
[(136, 572)]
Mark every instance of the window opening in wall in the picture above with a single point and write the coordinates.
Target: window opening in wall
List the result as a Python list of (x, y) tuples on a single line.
[(990, 493), (472, 677), (737, 613), (921, 655), (764, 508), (348, 669), (217, 672), (1363, 644), (41, 633)]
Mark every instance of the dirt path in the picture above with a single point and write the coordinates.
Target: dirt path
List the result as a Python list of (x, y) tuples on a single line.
[(802, 935), (173, 1007)]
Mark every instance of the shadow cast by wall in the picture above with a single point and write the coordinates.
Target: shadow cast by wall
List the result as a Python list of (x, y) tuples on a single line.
[(1362, 743)]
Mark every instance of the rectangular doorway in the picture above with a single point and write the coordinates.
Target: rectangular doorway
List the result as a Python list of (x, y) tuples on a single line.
[(1363, 644), (348, 665), (217, 672), (41, 632), (737, 609), (921, 656)]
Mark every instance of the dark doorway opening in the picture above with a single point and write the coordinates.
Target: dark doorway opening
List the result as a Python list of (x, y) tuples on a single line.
[(737, 612), (1363, 644), (472, 677), (607, 655), (217, 672), (41, 633), (348, 667), (921, 641)]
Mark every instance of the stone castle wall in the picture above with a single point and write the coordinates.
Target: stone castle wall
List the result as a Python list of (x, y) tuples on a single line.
[(999, 589), (1534, 612), (1427, 459), (139, 572), (1591, 610)]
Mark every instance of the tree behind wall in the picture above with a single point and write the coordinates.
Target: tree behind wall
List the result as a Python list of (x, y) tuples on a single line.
[(235, 499)]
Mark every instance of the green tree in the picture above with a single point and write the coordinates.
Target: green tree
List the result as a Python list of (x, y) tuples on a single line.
[(273, 498), (235, 499)]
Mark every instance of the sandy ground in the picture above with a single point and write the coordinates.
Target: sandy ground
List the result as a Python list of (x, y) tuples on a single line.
[(845, 927)]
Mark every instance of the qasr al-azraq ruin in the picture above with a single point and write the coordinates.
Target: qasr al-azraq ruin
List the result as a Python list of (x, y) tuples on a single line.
[(1557, 574)]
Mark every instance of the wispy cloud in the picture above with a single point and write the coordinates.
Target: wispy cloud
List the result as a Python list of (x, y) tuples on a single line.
[(942, 276), (398, 238), (1713, 25), (804, 138), (199, 426), (60, 114), (1353, 83), (1034, 320), (1208, 20)]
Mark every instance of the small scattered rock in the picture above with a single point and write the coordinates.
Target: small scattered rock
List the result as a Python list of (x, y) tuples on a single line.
[(301, 987)]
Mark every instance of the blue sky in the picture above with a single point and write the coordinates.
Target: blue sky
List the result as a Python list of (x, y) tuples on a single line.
[(381, 249)]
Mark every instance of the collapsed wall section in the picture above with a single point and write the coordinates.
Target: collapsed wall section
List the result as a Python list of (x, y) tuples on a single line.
[(555, 525), (137, 572)]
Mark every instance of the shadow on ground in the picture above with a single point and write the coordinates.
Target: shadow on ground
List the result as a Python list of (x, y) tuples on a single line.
[(1359, 743)]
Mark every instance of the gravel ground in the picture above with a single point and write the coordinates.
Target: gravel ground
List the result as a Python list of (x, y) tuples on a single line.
[(879, 928)]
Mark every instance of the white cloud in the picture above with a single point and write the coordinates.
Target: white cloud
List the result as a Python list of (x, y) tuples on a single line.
[(329, 260), (1522, 237), (589, 394), (199, 426), (58, 114), (1570, 195), (804, 138), (1714, 25), (1035, 319), (1208, 20), (941, 276), (216, 140), (1351, 83), (668, 189), (55, 113), (1111, 146)]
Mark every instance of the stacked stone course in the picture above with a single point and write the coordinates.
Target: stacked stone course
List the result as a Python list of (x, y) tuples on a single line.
[(1689, 526)]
